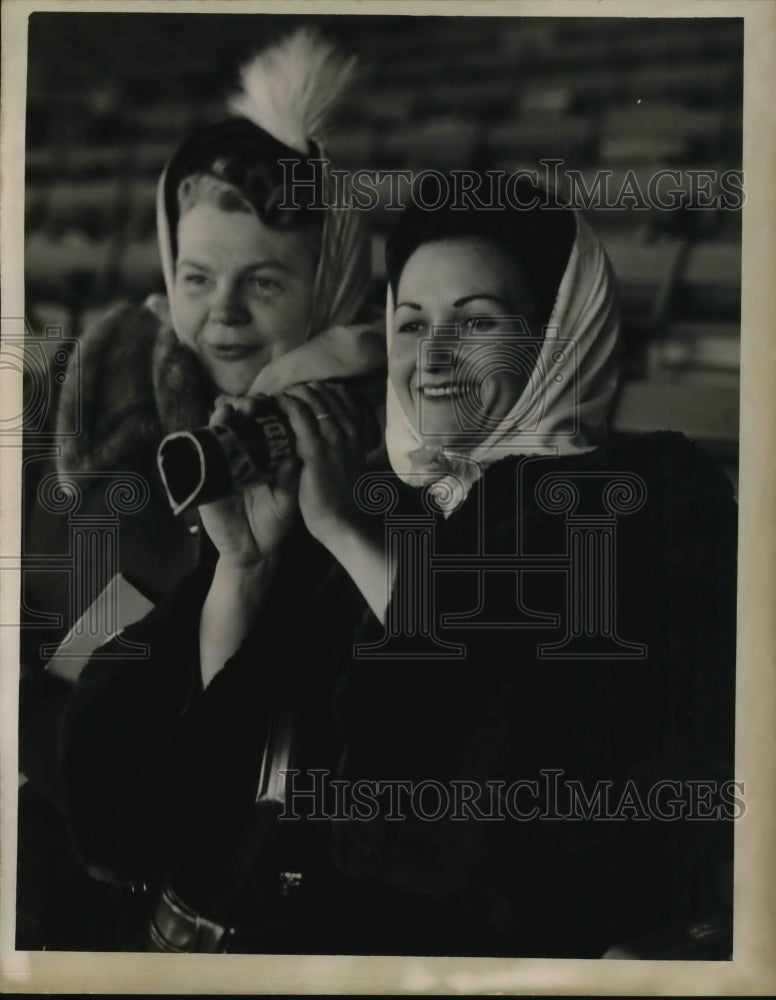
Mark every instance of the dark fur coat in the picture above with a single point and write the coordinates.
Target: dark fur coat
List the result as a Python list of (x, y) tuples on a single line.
[(135, 382), (130, 383)]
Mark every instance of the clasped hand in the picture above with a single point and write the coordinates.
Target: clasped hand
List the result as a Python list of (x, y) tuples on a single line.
[(332, 430)]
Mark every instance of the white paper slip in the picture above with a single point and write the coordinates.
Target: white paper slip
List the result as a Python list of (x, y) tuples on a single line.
[(120, 604)]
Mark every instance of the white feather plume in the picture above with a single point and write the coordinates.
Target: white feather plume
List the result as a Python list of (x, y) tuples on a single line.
[(290, 88)]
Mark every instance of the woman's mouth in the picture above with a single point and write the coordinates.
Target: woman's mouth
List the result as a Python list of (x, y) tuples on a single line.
[(231, 352), (443, 390)]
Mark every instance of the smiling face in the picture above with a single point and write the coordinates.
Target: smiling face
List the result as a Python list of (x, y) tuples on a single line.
[(456, 387), (243, 292)]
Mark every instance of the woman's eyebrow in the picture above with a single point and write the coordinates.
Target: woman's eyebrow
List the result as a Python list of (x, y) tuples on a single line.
[(259, 265), (193, 263), (268, 265), (478, 295), (410, 305)]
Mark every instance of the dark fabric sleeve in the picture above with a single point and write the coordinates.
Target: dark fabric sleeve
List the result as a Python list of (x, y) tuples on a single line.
[(43, 699), (694, 563), (158, 772), (418, 721), (121, 746), (695, 743), (704, 567)]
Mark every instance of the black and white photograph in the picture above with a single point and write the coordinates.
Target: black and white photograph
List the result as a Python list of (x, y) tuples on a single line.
[(380, 484)]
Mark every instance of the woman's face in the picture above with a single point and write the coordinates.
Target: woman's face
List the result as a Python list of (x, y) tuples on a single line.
[(243, 293), (455, 385)]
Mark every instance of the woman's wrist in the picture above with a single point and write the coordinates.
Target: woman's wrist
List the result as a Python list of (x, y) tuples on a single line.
[(244, 581), (240, 566), (230, 610), (337, 530), (360, 550)]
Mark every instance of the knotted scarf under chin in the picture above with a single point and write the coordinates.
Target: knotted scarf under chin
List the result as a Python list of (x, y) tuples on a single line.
[(575, 376)]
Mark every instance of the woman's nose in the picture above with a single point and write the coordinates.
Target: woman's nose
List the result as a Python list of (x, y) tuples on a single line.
[(227, 306)]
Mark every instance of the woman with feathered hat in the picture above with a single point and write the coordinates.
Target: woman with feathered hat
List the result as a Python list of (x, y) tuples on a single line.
[(264, 285), (265, 281)]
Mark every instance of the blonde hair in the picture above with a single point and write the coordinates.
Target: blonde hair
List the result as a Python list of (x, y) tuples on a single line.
[(198, 188), (207, 188)]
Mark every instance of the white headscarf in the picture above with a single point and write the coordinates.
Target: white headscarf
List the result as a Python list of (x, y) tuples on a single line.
[(563, 408)]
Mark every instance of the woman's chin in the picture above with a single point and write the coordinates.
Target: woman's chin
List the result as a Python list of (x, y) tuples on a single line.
[(447, 439), (233, 383)]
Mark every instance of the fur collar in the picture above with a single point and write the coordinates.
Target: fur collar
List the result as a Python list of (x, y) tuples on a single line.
[(132, 383)]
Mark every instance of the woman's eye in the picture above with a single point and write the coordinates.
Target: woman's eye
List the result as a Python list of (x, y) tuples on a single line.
[(195, 280), (480, 324), (412, 326), (264, 284)]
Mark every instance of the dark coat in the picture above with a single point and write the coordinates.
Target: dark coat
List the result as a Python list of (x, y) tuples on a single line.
[(130, 383), (127, 383), (160, 776)]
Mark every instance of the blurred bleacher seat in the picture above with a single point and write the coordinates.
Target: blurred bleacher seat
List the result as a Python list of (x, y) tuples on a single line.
[(442, 143)]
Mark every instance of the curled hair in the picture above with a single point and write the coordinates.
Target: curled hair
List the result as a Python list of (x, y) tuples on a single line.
[(539, 238), (236, 186), (200, 188)]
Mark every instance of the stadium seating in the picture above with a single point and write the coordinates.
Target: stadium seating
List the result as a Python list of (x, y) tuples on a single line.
[(141, 269), (92, 209), (537, 134), (434, 93), (441, 143)]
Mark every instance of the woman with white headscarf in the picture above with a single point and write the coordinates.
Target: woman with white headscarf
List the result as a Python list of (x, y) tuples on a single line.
[(563, 624), (266, 278), (265, 281), (498, 732)]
